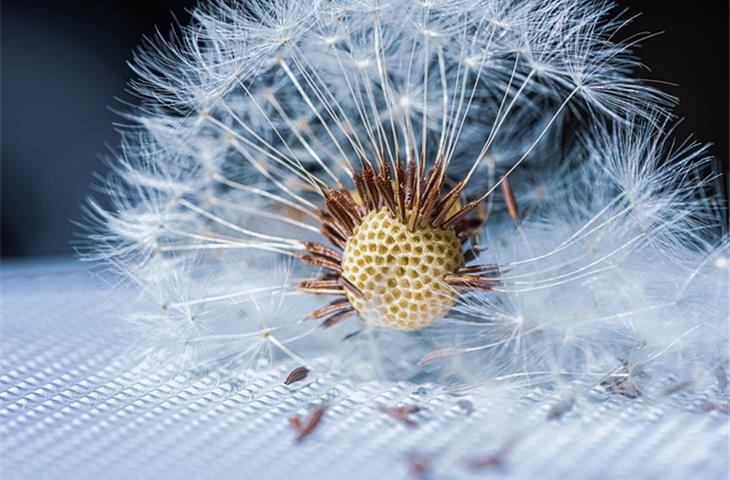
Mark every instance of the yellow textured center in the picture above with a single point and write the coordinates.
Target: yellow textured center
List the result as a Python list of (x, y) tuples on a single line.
[(399, 272)]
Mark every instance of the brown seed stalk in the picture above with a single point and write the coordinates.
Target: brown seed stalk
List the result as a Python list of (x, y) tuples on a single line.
[(349, 286), (322, 286), (333, 307), (321, 262), (461, 214), (468, 282), (322, 251), (337, 318), (475, 269), (509, 200)]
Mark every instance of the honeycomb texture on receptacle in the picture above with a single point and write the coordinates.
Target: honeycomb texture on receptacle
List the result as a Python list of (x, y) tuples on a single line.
[(400, 272)]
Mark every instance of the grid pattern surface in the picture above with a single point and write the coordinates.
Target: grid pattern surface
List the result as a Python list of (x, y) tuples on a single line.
[(73, 406)]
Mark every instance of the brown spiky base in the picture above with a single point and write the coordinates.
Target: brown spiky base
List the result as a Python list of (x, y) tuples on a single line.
[(403, 242)]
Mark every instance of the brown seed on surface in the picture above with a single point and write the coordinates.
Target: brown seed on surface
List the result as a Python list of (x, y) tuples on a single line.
[(402, 414), (622, 381), (494, 459), (305, 429), (299, 373)]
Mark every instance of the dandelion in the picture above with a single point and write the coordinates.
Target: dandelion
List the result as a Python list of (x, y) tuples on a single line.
[(475, 189)]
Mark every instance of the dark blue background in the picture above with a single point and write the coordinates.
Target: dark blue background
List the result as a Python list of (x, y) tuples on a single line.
[(64, 62)]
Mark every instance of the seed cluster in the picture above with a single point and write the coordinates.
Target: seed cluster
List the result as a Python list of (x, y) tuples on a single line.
[(399, 272)]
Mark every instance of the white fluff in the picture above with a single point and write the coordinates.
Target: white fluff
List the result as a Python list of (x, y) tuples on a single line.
[(621, 254)]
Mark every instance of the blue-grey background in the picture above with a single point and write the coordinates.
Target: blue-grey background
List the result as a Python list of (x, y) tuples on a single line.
[(63, 64)]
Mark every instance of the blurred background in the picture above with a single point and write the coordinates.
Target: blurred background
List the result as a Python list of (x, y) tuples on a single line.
[(63, 69)]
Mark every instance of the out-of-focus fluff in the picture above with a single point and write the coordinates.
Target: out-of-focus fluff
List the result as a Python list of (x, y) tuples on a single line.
[(603, 241)]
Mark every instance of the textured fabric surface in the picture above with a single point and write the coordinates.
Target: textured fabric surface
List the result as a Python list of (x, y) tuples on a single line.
[(74, 405)]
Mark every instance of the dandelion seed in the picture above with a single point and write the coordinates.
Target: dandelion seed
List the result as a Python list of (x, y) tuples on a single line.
[(493, 460), (402, 414), (304, 429), (439, 355), (299, 373), (622, 382)]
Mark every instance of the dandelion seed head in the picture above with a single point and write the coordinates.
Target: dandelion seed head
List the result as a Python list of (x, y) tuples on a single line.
[(273, 140)]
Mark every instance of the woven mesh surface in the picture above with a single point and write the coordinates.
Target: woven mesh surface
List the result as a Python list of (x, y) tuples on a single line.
[(73, 406)]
